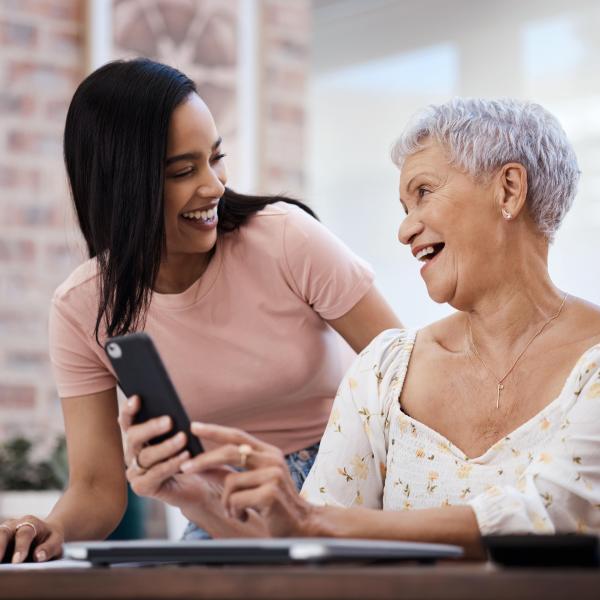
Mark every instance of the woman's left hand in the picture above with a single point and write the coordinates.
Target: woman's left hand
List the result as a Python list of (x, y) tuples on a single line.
[(265, 486)]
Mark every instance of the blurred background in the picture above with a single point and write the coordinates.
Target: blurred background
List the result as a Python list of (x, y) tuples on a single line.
[(309, 97)]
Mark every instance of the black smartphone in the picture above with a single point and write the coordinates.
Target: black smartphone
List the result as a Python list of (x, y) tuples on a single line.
[(140, 371)]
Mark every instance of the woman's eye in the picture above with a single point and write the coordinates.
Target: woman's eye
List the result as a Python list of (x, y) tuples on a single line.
[(422, 191), (182, 173), (218, 157)]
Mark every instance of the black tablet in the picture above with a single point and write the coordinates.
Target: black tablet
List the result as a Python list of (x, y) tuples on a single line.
[(564, 550)]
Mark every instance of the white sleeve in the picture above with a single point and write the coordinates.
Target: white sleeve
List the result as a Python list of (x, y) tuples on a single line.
[(350, 467), (560, 490)]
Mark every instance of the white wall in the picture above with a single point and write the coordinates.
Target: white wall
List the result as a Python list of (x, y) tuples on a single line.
[(375, 64)]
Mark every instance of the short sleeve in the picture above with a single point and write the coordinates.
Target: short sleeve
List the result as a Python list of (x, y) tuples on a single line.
[(76, 363), (350, 467), (560, 490), (322, 270)]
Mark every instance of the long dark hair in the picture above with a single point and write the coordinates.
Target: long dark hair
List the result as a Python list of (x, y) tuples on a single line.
[(115, 148)]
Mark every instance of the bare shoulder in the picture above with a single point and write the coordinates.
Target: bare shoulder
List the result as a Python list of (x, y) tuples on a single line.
[(587, 310), (584, 321), (447, 334)]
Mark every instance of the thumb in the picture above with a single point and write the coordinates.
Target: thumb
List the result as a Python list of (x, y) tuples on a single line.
[(128, 411)]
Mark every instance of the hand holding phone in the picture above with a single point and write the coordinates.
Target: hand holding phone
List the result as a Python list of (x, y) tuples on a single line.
[(141, 372)]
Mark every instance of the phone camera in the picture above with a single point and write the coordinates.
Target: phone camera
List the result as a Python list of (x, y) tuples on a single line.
[(114, 350)]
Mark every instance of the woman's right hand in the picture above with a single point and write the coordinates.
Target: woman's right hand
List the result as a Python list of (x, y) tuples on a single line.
[(30, 536), (154, 471), (151, 468)]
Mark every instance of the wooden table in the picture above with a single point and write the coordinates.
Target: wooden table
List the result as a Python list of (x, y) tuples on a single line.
[(445, 581)]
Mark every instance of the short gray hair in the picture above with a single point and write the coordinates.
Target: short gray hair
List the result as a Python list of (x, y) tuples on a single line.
[(482, 135)]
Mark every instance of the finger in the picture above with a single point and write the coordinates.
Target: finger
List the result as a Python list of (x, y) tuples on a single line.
[(24, 538), (149, 483), (50, 548), (219, 457), (151, 455), (230, 455), (139, 435), (227, 435), (260, 499), (236, 482), (7, 532), (128, 412)]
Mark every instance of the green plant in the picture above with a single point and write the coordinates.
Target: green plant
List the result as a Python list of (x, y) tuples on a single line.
[(19, 472)]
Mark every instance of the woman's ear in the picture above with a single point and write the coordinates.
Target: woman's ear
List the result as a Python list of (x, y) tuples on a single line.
[(512, 190)]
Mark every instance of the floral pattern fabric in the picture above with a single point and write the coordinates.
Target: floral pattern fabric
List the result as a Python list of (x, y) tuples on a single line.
[(544, 477)]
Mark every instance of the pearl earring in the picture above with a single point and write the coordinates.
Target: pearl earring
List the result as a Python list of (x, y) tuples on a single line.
[(506, 214)]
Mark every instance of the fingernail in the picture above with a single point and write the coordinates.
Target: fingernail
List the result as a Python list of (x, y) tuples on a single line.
[(186, 466), (164, 421), (16, 557), (40, 556), (197, 425), (130, 403)]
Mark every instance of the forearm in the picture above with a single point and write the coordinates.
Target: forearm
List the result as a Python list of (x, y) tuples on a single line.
[(446, 525), (88, 512)]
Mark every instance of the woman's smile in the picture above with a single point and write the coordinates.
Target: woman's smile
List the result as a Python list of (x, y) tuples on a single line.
[(203, 219), (428, 253)]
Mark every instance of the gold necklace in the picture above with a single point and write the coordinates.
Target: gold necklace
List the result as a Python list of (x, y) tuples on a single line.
[(500, 380)]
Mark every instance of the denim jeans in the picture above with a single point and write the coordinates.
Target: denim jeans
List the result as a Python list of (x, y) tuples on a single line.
[(299, 463)]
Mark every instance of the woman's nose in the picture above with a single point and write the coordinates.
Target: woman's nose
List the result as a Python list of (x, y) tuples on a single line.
[(211, 186), (409, 228)]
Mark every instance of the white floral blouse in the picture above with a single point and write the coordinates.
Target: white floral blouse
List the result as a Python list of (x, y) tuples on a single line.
[(544, 477)]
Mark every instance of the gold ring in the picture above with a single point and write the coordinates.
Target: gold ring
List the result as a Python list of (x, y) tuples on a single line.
[(245, 451), (27, 524), (136, 465)]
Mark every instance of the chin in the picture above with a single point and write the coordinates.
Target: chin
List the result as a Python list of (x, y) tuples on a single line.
[(193, 249), (441, 294), (201, 246), (204, 248)]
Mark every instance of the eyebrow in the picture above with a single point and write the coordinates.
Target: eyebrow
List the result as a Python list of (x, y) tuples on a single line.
[(192, 155), (409, 184)]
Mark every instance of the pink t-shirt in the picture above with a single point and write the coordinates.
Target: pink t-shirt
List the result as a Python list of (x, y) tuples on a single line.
[(246, 344)]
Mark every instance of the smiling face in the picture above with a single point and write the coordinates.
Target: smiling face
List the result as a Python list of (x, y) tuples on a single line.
[(195, 179), (452, 225)]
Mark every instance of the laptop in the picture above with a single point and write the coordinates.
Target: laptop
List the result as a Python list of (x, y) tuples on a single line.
[(256, 551)]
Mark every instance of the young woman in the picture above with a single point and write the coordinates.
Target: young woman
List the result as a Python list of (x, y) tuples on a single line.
[(242, 296)]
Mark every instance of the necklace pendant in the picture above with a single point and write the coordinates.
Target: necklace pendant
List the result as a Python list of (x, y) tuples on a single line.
[(500, 388)]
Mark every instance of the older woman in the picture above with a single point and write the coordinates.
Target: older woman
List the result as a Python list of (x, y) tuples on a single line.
[(485, 422)]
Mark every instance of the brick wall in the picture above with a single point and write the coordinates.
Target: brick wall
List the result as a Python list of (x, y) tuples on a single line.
[(41, 62), (284, 58)]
